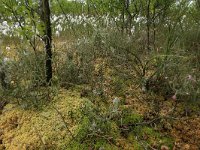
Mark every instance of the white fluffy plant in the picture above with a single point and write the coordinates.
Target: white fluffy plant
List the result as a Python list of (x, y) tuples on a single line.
[(116, 102)]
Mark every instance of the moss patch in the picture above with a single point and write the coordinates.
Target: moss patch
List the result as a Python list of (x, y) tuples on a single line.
[(33, 129)]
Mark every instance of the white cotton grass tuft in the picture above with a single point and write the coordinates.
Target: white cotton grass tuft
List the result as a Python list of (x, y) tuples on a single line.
[(93, 126), (116, 101), (191, 78), (8, 48), (6, 60)]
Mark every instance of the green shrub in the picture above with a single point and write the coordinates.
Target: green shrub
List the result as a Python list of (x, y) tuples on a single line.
[(27, 79), (96, 129)]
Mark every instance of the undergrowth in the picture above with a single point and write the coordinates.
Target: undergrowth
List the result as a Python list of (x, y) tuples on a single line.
[(115, 74)]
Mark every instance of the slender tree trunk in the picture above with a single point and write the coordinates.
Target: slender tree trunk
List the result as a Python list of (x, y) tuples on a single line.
[(3, 78), (88, 7), (154, 28), (148, 24), (128, 22), (123, 15), (45, 17), (130, 17)]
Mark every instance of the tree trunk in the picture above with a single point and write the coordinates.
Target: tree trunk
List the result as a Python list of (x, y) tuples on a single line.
[(45, 17), (154, 27), (88, 7), (148, 24), (3, 78), (123, 3)]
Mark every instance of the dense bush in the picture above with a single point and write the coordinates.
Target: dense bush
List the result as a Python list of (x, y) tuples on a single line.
[(25, 77)]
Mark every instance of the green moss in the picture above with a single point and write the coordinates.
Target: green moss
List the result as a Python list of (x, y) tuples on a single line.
[(114, 132), (148, 135), (102, 144), (39, 128), (132, 139), (83, 129), (75, 146), (149, 131), (46, 127), (167, 141), (129, 117)]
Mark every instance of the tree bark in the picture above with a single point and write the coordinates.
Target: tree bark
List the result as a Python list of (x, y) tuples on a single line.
[(148, 24), (3, 78), (47, 38), (123, 3)]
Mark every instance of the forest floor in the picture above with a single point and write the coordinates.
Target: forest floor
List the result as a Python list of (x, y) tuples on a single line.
[(22, 129), (38, 129), (52, 126)]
